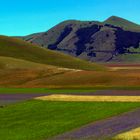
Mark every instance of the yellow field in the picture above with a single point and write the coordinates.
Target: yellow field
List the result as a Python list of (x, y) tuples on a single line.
[(62, 97), (131, 135)]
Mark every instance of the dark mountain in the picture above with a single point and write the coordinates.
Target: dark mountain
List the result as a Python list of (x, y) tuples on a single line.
[(115, 39)]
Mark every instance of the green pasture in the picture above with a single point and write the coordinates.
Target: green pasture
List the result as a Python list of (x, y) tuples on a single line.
[(39, 120)]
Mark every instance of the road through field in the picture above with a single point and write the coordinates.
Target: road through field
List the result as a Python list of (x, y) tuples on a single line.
[(111, 93), (104, 129), (12, 98)]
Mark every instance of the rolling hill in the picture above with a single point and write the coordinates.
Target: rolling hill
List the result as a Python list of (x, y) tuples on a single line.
[(15, 72), (108, 41), (19, 49), (23, 64)]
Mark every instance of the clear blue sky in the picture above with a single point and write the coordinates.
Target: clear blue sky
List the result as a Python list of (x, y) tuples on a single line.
[(22, 17)]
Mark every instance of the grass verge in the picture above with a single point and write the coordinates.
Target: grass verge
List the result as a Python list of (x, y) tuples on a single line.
[(63, 90)]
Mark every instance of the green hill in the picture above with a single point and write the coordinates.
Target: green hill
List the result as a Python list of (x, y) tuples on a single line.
[(125, 24), (16, 48)]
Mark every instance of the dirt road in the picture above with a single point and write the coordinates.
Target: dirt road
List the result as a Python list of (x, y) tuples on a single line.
[(104, 129), (12, 98)]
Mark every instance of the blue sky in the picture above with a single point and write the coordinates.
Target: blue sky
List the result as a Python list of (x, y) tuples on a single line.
[(19, 17)]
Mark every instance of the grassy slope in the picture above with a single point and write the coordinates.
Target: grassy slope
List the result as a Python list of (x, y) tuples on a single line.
[(13, 63), (128, 25), (36, 120), (17, 71), (17, 48)]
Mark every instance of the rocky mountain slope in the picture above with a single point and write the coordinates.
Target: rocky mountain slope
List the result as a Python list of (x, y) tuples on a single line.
[(114, 40)]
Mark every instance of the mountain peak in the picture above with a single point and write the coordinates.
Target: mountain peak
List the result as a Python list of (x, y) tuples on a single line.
[(121, 22), (115, 18)]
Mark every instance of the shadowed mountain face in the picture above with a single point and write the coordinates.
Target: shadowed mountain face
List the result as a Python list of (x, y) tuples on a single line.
[(114, 40)]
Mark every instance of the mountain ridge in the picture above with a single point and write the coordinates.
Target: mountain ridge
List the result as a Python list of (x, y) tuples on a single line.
[(93, 41)]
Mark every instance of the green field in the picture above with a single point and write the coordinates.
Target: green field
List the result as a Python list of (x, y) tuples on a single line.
[(37, 120), (63, 91)]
